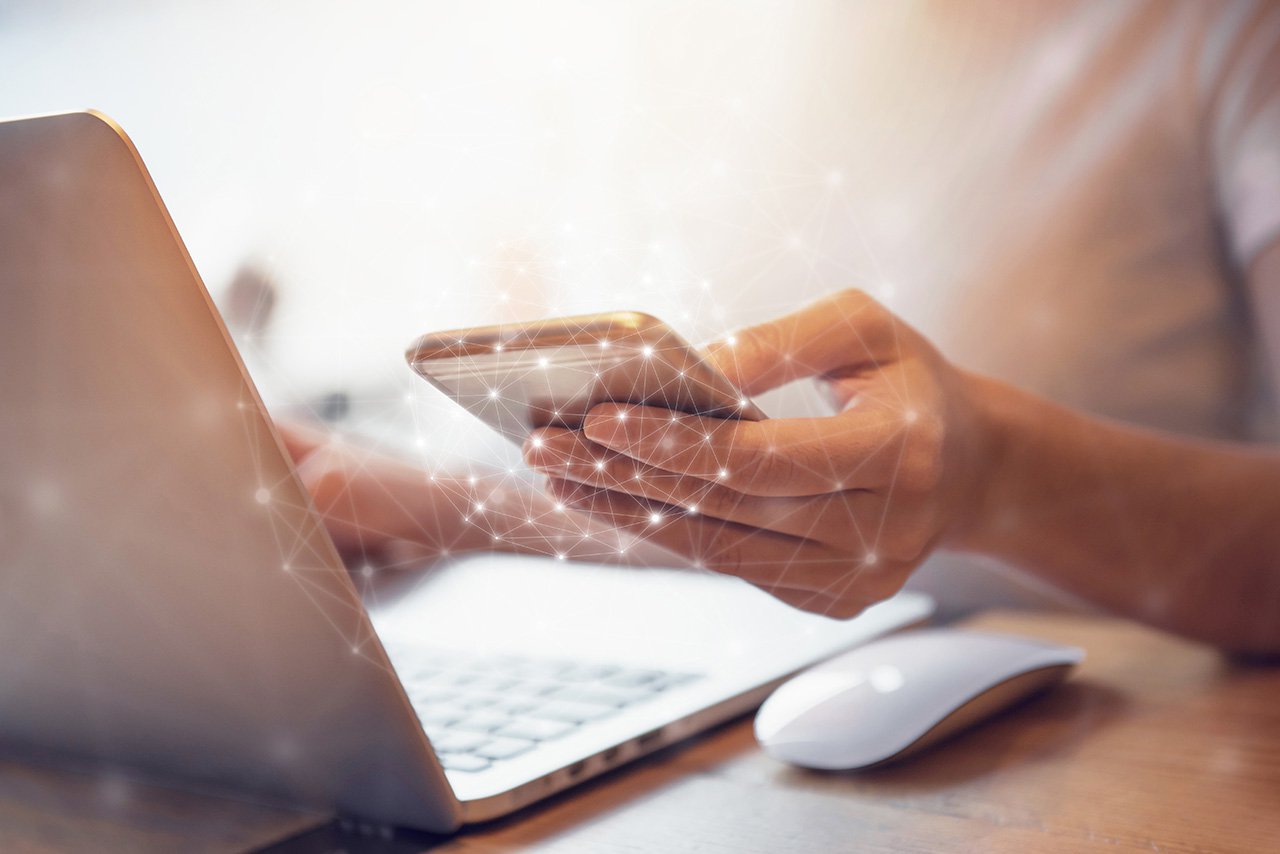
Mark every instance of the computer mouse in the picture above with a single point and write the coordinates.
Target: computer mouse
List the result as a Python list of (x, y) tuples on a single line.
[(895, 696)]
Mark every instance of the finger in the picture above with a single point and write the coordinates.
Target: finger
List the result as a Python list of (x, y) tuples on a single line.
[(367, 499), (845, 329), (761, 557), (299, 439), (779, 456), (851, 517)]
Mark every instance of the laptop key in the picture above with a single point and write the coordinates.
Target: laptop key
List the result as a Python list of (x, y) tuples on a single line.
[(504, 748), (482, 721), (493, 682), (600, 696), (464, 762), (453, 741), (571, 712), (633, 678), (536, 730), (514, 707), (673, 680), (429, 697), (479, 701), (441, 715)]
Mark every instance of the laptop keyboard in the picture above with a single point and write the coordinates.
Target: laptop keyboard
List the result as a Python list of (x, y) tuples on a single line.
[(480, 710)]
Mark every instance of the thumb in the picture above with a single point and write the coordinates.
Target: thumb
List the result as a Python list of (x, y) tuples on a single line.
[(845, 329)]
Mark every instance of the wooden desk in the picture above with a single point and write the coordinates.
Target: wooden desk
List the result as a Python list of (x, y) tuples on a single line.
[(1155, 744)]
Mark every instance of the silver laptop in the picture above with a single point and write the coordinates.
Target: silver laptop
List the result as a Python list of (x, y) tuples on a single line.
[(170, 605)]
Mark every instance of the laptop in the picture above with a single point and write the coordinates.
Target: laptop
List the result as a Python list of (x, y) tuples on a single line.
[(171, 606)]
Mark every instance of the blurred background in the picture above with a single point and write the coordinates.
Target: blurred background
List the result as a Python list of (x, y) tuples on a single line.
[(348, 176)]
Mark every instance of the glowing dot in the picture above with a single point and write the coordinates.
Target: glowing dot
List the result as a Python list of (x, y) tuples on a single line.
[(599, 465), (693, 509), (472, 480), (742, 401), (497, 348), (560, 556), (731, 340), (604, 343), (542, 362), (724, 473), (493, 393), (355, 650), (912, 416), (647, 351), (871, 559), (366, 571), (537, 441), (622, 416), (287, 567), (655, 518), (479, 507), (637, 476), (559, 507), (263, 495)]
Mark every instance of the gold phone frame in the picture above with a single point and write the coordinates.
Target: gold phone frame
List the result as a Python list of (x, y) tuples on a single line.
[(517, 377)]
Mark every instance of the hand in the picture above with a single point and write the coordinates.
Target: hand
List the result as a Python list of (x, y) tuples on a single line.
[(374, 505), (828, 514)]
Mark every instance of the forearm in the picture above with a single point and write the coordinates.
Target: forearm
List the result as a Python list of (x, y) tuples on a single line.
[(1181, 534)]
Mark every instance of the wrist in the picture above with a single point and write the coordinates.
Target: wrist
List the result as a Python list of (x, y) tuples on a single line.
[(1006, 423)]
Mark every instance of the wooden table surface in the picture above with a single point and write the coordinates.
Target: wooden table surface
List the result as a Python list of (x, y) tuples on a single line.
[(1154, 745)]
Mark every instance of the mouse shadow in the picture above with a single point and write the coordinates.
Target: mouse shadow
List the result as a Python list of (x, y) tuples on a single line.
[(1043, 727)]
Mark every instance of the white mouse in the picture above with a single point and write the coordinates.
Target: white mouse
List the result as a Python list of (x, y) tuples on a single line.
[(897, 695)]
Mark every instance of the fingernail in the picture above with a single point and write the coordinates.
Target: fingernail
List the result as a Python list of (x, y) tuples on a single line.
[(609, 428)]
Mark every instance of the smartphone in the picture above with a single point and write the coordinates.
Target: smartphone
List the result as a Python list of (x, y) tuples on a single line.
[(521, 376)]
